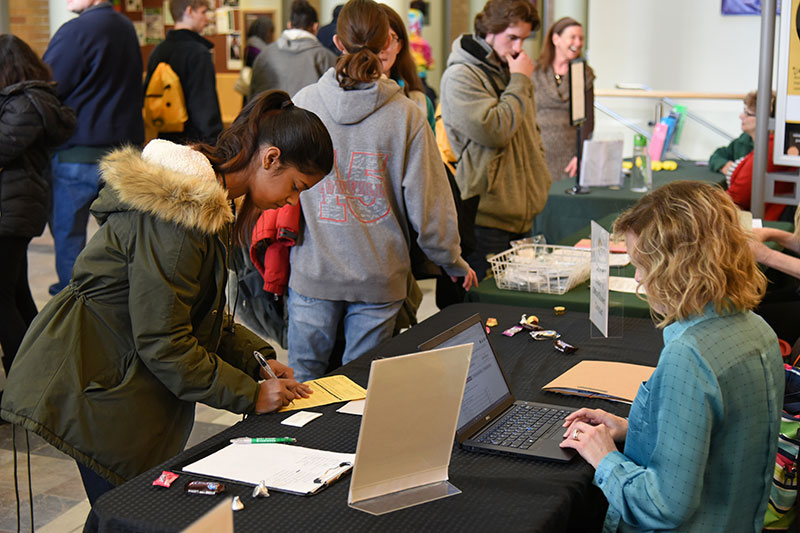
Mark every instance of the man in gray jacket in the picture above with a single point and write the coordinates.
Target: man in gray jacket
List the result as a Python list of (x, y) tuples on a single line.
[(490, 118), (296, 59)]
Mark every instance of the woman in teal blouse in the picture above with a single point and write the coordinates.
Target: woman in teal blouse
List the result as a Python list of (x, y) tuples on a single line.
[(701, 437)]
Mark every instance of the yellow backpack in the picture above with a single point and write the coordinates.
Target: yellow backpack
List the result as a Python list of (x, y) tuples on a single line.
[(445, 150), (164, 108)]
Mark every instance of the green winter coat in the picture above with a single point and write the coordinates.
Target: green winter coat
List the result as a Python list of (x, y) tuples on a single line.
[(110, 370)]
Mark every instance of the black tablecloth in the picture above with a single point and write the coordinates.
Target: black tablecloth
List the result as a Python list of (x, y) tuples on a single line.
[(498, 492)]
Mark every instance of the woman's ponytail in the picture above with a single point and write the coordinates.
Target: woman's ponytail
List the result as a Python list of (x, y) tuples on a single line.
[(363, 30)]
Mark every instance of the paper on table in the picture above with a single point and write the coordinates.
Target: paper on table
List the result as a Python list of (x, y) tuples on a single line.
[(609, 380), (615, 247), (623, 284), (356, 407), (618, 260), (300, 419), (282, 466), (328, 390)]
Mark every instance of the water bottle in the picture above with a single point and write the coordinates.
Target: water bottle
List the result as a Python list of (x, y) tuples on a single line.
[(641, 173)]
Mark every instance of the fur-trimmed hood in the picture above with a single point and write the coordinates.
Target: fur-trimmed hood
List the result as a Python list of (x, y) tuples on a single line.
[(170, 181)]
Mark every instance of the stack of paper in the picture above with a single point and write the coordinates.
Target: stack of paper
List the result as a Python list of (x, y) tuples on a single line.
[(618, 382)]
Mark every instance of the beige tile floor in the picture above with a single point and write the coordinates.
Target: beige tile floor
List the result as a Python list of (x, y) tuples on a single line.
[(59, 502)]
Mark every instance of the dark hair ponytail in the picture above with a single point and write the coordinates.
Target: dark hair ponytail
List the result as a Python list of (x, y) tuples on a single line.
[(363, 30), (270, 119)]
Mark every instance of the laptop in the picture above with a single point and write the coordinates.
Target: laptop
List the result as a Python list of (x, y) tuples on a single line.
[(491, 420)]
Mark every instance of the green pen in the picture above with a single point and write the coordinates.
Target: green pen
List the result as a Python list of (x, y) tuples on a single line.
[(264, 440)]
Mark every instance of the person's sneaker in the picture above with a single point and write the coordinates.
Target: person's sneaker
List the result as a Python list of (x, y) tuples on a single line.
[(55, 288)]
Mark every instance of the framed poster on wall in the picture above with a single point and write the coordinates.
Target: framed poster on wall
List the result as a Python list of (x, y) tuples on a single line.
[(787, 110)]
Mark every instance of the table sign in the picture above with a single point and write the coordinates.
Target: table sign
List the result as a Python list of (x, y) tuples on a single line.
[(598, 299)]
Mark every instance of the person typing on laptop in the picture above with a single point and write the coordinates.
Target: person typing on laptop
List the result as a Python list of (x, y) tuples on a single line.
[(701, 438)]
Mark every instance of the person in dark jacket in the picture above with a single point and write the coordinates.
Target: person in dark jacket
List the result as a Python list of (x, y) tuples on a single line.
[(97, 62), (189, 55), (110, 370), (326, 33), (33, 121)]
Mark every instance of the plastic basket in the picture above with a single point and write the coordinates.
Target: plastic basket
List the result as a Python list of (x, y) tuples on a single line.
[(541, 268)]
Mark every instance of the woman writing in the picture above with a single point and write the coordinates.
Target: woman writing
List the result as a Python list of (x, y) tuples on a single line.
[(352, 262), (110, 370), (701, 437), (563, 43)]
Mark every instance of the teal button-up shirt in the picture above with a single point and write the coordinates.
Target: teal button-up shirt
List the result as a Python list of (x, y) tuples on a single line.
[(702, 431)]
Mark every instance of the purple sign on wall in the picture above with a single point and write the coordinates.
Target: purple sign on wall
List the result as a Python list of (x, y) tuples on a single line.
[(744, 7)]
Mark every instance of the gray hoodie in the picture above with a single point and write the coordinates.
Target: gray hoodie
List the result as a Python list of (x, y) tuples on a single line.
[(387, 174), (295, 60), (496, 136)]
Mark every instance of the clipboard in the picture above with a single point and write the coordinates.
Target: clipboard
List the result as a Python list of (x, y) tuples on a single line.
[(284, 467)]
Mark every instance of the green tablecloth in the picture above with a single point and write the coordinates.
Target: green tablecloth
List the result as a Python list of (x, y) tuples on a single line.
[(565, 214), (578, 298)]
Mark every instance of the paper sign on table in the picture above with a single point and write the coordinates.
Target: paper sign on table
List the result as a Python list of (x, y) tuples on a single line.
[(327, 390), (598, 297), (356, 407)]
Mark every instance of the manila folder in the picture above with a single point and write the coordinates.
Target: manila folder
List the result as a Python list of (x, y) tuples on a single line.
[(609, 380)]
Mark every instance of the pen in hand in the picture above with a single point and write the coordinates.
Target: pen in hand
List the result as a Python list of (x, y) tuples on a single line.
[(264, 364)]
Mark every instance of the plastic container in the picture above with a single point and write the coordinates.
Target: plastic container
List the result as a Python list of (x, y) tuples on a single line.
[(541, 268), (641, 173)]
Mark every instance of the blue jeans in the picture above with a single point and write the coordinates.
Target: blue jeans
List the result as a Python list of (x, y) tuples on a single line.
[(313, 324), (489, 241), (75, 187)]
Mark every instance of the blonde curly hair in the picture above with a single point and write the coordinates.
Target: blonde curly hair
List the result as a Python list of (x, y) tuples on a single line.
[(691, 251)]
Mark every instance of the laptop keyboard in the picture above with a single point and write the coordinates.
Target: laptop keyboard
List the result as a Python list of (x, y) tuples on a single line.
[(524, 425)]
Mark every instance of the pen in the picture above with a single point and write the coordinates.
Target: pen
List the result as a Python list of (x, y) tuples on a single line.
[(263, 362), (264, 440)]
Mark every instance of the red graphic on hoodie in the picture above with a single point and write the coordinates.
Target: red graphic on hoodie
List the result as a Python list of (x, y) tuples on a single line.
[(362, 192)]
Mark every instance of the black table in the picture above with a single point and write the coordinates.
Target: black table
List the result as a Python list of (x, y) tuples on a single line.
[(565, 214), (498, 492)]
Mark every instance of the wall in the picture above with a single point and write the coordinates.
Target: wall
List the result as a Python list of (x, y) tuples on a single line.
[(30, 22), (681, 45)]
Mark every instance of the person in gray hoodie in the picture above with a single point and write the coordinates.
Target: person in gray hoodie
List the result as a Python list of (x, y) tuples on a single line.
[(352, 261), (489, 114), (296, 59)]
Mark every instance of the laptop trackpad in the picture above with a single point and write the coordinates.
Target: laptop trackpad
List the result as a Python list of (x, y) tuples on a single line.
[(550, 449)]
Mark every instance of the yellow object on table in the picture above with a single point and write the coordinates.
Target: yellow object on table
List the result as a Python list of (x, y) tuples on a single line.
[(559, 309), (327, 390), (627, 165)]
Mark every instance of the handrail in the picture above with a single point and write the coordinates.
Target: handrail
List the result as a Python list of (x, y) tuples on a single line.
[(640, 90), (638, 93)]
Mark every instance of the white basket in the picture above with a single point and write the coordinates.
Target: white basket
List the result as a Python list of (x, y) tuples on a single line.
[(541, 268)]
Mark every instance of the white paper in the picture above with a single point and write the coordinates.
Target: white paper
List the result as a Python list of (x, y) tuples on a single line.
[(598, 298), (282, 466), (618, 260), (758, 223), (300, 418), (356, 407), (601, 163), (623, 284)]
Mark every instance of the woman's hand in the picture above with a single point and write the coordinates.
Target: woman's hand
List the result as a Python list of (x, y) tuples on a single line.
[(617, 426), (725, 167), (276, 393), (592, 442), (572, 167), (470, 280), (281, 370)]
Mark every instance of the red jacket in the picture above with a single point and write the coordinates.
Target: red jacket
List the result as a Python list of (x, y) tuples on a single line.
[(274, 233), (740, 188)]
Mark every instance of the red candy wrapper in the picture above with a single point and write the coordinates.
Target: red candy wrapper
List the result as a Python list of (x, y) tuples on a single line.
[(165, 479)]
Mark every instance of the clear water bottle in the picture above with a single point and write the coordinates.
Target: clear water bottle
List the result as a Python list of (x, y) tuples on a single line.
[(641, 173)]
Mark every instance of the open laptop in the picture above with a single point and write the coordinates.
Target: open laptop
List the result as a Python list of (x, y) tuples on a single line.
[(491, 420)]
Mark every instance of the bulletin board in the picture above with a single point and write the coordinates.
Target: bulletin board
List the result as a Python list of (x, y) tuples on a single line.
[(787, 109), (152, 21)]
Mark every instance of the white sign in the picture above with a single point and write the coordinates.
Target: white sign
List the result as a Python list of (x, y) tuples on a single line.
[(598, 301), (601, 163)]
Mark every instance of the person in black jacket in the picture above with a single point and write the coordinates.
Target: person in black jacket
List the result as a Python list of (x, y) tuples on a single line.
[(32, 122), (189, 55)]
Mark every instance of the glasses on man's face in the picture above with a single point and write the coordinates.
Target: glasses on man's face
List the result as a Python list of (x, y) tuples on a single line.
[(748, 113)]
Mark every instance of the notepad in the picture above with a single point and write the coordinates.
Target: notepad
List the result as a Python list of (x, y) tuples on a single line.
[(608, 380), (327, 390), (284, 467)]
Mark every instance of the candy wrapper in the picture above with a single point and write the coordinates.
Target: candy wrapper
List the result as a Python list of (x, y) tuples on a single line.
[(544, 335), (562, 346), (165, 479), (513, 330), (204, 487)]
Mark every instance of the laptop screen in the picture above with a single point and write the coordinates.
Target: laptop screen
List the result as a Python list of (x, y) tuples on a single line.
[(486, 386)]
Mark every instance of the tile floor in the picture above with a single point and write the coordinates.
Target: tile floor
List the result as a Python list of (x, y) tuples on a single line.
[(59, 502)]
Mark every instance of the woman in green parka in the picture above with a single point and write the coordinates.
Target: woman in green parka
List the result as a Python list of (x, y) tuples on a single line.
[(110, 370)]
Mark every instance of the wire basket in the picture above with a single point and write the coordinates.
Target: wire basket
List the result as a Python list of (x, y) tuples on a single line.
[(541, 268)]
